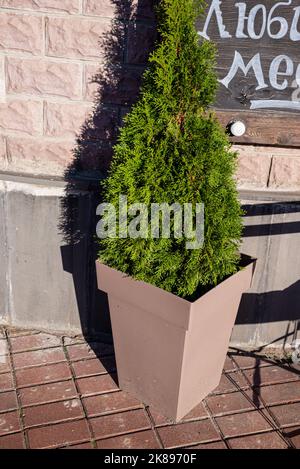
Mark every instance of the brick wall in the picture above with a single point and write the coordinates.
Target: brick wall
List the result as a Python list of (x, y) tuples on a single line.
[(52, 92), (51, 53), (272, 168)]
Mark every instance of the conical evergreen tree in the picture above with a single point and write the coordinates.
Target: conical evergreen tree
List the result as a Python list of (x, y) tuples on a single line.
[(172, 149)]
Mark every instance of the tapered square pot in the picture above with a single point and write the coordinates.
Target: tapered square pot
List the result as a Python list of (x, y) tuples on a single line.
[(170, 352)]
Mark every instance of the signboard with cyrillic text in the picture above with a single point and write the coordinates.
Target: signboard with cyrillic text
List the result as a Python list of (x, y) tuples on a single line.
[(258, 66)]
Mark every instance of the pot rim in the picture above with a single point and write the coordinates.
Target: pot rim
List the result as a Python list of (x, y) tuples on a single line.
[(245, 261)]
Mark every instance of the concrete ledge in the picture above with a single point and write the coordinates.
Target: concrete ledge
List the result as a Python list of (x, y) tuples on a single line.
[(47, 247), (269, 315), (47, 273)]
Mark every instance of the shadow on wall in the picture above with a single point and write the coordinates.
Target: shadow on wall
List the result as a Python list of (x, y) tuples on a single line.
[(282, 305), (276, 306), (125, 49), (124, 53), (271, 209)]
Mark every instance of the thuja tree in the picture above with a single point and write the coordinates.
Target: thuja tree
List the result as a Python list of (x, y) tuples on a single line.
[(171, 149)]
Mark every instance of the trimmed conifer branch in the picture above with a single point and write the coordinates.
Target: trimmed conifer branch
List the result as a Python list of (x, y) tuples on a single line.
[(172, 149)]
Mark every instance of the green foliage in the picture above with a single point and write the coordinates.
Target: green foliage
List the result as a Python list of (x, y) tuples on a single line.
[(172, 149)]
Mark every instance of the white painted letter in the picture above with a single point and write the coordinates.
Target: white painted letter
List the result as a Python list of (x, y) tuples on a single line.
[(298, 76), (251, 21), (238, 63), (274, 71), (284, 27), (215, 7), (241, 21), (295, 35)]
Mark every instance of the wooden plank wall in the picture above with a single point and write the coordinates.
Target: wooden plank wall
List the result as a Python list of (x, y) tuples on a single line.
[(258, 67)]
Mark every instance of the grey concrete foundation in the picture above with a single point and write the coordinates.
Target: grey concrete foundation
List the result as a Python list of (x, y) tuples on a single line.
[(47, 272), (47, 247), (270, 312)]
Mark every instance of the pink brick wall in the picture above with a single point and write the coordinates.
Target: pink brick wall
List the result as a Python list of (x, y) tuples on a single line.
[(50, 52), (270, 168)]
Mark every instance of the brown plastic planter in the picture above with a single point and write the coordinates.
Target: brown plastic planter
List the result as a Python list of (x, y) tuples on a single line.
[(170, 352)]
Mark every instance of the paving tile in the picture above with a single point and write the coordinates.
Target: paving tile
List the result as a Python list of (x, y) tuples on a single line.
[(73, 340), (80, 352), (261, 441), (269, 417), (111, 402), (188, 433), (280, 393), (87, 445), (8, 401), (38, 357), (9, 422), (140, 440), (270, 375), (225, 385), (54, 416), (21, 332), (158, 418), (35, 341), (47, 393), (50, 413), (4, 364), (3, 347), (241, 424), (96, 384), (93, 350), (59, 434), (214, 445), (248, 361), (94, 366), (115, 424), (287, 414), (6, 382), (293, 433), (43, 374), (231, 382), (14, 441), (239, 379), (198, 412), (232, 402), (295, 368), (229, 365)]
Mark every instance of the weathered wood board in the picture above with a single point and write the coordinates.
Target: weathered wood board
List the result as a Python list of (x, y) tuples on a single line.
[(258, 66)]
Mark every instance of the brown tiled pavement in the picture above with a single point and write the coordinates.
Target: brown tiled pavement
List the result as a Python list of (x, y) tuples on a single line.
[(58, 392)]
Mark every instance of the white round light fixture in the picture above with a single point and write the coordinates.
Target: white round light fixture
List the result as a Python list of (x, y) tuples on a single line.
[(237, 128)]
